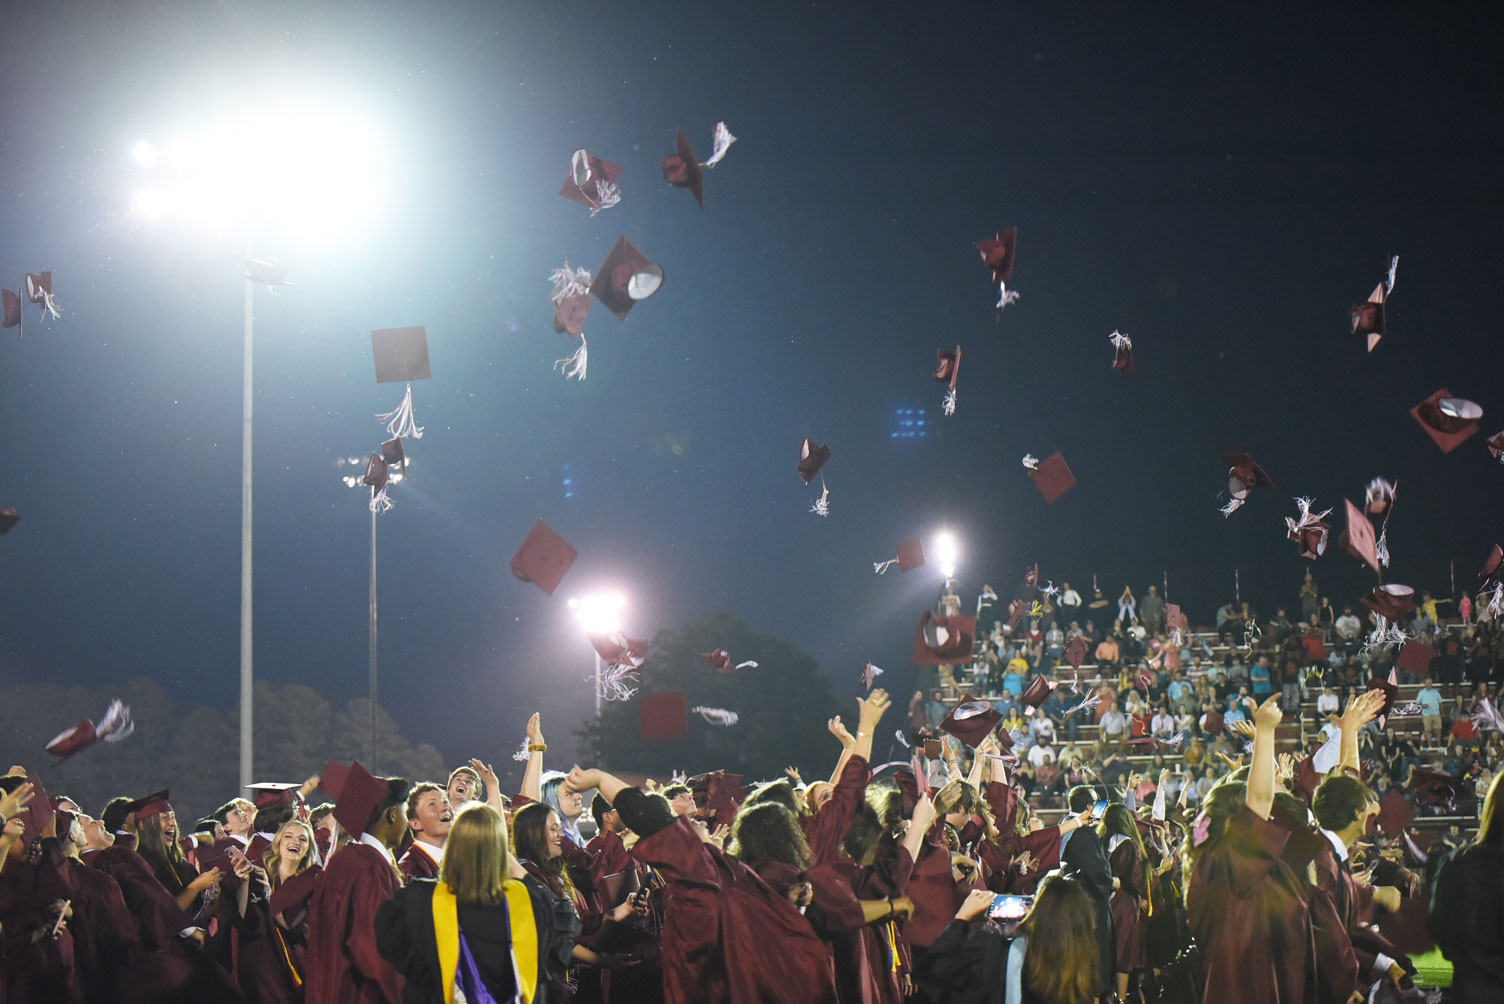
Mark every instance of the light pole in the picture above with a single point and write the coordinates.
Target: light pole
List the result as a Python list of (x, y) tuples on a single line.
[(284, 164), (599, 614), (386, 473)]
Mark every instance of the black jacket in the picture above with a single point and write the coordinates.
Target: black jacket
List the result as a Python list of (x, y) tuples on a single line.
[(405, 937), (1467, 921)]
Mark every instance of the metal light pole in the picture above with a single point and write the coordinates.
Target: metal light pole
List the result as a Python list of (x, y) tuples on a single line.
[(371, 742), (247, 685)]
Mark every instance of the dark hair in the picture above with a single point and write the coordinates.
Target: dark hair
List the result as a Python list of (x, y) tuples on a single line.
[(206, 825), (530, 842), (165, 856), (396, 795), (115, 811), (768, 832), (223, 812), (1339, 800), (673, 791), (887, 801), (776, 793), (319, 812), (418, 790), (269, 818), (598, 810), (1119, 821), (1082, 797), (866, 829)]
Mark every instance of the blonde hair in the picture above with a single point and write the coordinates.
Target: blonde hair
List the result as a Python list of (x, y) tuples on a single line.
[(1490, 825), (477, 861), (273, 856)]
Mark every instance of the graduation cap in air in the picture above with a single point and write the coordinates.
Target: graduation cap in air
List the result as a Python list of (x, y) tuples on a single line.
[(1432, 788), (1496, 445), (12, 314), (1378, 498), (662, 716), (268, 794), (570, 313), (378, 472), (591, 182), (37, 813), (1052, 476), (721, 660), (811, 459), (870, 673), (625, 277), (1395, 813), (39, 291), (1415, 657), (1491, 563), (910, 556), (8, 518), (1308, 530), (1448, 420), (947, 370), (359, 797), (933, 748), (1391, 601), (401, 354), (998, 253), (543, 558), (943, 638), (1389, 687), (1122, 352), (395, 455), (616, 649), (1306, 779), (1358, 539), (971, 720), (1075, 652), (113, 727), (1243, 476), (1213, 726), (1175, 618), (1367, 318), (270, 274), (1038, 691), (332, 778), (683, 169)]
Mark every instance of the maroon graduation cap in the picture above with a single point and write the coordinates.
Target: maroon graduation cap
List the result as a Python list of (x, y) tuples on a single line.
[(1213, 726), (616, 649), (269, 794), (1053, 477), (1038, 691), (943, 638), (12, 309), (625, 277), (1496, 444), (378, 471), (812, 458), (149, 805), (1415, 657), (1448, 420), (37, 813), (662, 716), (1306, 780), (583, 184), (570, 313), (1122, 353), (682, 169), (971, 720), (720, 659), (947, 366), (1367, 318), (870, 673), (1175, 619), (543, 558), (1378, 498), (910, 554), (1244, 475), (1491, 563), (998, 253), (1389, 687), (332, 779), (359, 796), (1431, 788), (1358, 539), (1395, 813), (1075, 652), (1391, 601)]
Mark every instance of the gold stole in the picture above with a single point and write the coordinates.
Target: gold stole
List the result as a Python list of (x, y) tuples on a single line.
[(524, 930)]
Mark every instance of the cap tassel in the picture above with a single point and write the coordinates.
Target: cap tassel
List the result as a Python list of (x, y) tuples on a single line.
[(381, 502), (949, 403), (613, 682), (523, 753), (717, 716), (606, 196), (1381, 549), (569, 281), (1031, 461), (822, 504), (400, 423), (1232, 506), (116, 723), (1086, 704), (1394, 265), (1005, 295), (574, 366), (720, 142), (1487, 716), (1496, 605)]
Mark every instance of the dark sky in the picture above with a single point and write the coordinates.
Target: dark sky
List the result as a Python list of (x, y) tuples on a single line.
[(1220, 184)]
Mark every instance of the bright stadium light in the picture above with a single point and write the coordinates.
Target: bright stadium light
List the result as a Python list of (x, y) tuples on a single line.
[(947, 552), (599, 613)]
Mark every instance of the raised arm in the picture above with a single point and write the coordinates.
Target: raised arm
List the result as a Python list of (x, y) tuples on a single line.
[(920, 822), (488, 778), (873, 706), (532, 779), (1260, 794), (838, 729), (1361, 710)]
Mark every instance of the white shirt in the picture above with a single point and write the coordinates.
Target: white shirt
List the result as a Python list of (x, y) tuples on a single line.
[(370, 841), (1070, 598), (1040, 755), (437, 853), (1381, 962), (1348, 626), (1327, 704)]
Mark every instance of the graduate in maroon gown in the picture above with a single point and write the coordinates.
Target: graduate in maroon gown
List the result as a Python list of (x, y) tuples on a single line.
[(1127, 857), (269, 943), (728, 937), (1245, 905), (343, 965), (616, 877), (36, 945), (428, 819)]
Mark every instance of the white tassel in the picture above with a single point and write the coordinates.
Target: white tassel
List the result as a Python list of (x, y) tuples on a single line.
[(717, 716), (949, 404), (1050, 589), (903, 740), (882, 566), (613, 682), (1487, 716), (720, 142), (1120, 340), (1005, 295), (523, 753), (1381, 549), (1405, 709), (1031, 461), (380, 502), (1394, 266), (1232, 506), (569, 281), (116, 723), (574, 366), (1496, 605), (822, 504), (400, 423), (1087, 703), (606, 196)]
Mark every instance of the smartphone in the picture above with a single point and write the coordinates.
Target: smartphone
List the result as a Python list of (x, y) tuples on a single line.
[(1099, 811), (1009, 907)]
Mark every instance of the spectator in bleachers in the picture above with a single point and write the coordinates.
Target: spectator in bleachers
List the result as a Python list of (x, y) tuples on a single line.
[(1127, 609), (1113, 726), (1429, 699), (1070, 601), (1327, 703), (1151, 612), (1262, 679), (1310, 599), (1162, 726), (1348, 627), (1108, 654)]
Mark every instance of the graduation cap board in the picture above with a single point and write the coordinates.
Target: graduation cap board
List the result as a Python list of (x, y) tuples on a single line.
[(1358, 539), (267, 794), (12, 313), (812, 458), (948, 370), (971, 720), (1415, 657), (1395, 813), (361, 793), (1075, 652), (37, 813), (662, 716), (625, 277), (1448, 420), (591, 182), (682, 169), (1052, 477), (942, 638), (401, 354), (543, 558), (1391, 601)]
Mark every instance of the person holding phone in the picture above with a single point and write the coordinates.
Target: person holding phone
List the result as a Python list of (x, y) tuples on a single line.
[(1083, 858)]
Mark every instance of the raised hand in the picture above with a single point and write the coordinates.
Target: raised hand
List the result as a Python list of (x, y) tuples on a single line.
[(16, 801), (793, 774), (535, 730), (487, 774), (977, 902), (1268, 715), (1362, 709), (1244, 729), (923, 815), (838, 729), (580, 779), (873, 706)]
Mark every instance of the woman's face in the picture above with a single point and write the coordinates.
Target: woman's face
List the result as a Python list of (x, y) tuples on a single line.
[(571, 803), (292, 844), (553, 835)]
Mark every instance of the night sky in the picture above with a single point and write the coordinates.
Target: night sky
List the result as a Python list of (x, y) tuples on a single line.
[(1221, 185)]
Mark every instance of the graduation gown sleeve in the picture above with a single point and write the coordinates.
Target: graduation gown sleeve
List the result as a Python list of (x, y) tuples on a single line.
[(826, 828)]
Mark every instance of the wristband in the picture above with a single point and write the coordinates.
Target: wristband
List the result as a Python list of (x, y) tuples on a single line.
[(537, 747)]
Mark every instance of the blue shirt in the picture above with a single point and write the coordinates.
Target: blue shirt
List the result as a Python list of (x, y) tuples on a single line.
[(1260, 678), (1430, 701)]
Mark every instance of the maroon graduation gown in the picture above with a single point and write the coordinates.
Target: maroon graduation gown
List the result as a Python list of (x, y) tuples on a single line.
[(36, 967), (887, 877), (418, 863), (1128, 917), (825, 830), (1016, 864), (728, 938), (343, 965), (1247, 913), (105, 937)]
